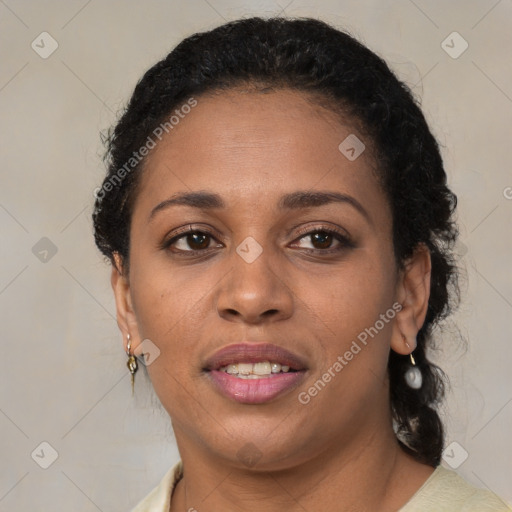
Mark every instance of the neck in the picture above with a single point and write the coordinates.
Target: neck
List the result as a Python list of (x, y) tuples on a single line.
[(369, 473)]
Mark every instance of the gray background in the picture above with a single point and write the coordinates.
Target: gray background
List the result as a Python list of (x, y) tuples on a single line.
[(64, 379)]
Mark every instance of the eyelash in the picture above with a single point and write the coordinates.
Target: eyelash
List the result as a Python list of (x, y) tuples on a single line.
[(343, 239)]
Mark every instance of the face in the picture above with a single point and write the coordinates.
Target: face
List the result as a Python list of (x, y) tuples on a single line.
[(264, 261)]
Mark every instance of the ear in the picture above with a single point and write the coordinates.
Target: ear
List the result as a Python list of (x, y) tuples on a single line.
[(126, 319), (413, 292)]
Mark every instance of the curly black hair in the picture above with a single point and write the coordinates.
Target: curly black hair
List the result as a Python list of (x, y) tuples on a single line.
[(310, 56)]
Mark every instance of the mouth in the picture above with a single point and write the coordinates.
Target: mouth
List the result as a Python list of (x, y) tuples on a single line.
[(252, 373)]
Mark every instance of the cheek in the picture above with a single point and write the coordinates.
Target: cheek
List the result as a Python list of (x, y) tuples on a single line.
[(356, 340), (349, 297), (168, 311), (164, 307), (163, 294)]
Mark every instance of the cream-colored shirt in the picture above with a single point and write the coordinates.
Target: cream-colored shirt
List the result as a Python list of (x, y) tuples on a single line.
[(444, 491)]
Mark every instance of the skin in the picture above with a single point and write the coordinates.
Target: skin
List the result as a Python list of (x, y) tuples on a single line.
[(338, 452)]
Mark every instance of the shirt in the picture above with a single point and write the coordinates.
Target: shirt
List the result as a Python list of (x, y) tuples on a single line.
[(443, 491)]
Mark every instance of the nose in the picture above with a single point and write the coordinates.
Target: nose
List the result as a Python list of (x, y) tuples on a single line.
[(255, 292)]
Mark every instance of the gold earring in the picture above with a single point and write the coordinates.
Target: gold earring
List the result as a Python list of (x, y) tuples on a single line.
[(132, 361)]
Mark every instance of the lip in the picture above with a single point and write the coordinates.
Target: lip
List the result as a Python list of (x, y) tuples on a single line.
[(255, 391), (250, 352)]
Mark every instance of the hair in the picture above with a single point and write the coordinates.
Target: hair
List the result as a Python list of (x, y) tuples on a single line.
[(312, 57)]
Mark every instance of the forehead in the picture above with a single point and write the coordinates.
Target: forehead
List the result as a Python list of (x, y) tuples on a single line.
[(255, 146)]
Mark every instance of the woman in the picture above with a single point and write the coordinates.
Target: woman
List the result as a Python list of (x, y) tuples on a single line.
[(278, 220)]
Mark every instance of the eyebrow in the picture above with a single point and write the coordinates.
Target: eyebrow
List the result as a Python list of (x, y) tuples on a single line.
[(293, 201)]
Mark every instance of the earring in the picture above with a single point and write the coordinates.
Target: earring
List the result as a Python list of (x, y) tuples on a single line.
[(132, 361), (413, 375)]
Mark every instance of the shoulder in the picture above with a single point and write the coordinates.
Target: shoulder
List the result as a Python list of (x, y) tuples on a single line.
[(446, 491), (159, 499)]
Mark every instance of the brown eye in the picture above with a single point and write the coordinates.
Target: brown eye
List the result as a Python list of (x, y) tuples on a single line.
[(321, 239), (190, 242), (198, 241)]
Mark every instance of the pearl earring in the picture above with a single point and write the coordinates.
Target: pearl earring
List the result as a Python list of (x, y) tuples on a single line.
[(413, 376)]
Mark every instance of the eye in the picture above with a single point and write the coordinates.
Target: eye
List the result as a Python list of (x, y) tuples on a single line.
[(191, 241), (323, 240)]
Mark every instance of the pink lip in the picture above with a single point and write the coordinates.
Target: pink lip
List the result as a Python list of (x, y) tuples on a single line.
[(251, 352), (255, 391)]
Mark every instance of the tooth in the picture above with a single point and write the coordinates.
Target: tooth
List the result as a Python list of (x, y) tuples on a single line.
[(276, 367), (245, 368), (232, 369), (262, 368)]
